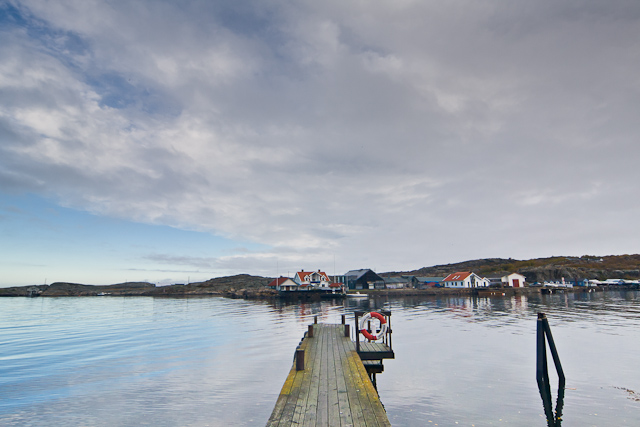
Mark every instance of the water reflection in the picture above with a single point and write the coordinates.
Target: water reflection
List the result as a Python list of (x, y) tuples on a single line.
[(214, 361), (553, 419)]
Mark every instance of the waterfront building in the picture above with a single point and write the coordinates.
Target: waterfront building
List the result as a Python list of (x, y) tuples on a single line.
[(314, 279), (514, 280), (284, 284), (363, 279), (465, 279)]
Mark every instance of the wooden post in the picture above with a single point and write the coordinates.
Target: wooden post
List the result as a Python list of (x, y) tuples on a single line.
[(315, 319), (347, 333), (343, 319), (310, 331), (299, 359)]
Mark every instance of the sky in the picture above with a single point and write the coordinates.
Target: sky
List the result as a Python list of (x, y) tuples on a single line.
[(174, 142)]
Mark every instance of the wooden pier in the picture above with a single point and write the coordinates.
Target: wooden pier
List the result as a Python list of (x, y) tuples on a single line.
[(329, 385)]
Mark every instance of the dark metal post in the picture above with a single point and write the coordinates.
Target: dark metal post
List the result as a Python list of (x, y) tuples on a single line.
[(552, 348), (310, 331), (542, 372), (343, 319), (357, 333), (347, 333), (299, 359), (389, 330)]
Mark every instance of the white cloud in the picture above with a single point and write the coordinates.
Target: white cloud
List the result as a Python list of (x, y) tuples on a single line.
[(374, 132)]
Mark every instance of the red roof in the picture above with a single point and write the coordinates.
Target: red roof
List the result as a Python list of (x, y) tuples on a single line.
[(459, 276), (278, 281), (301, 275), (335, 285)]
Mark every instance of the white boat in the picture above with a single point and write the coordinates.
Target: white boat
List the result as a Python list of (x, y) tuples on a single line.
[(358, 295)]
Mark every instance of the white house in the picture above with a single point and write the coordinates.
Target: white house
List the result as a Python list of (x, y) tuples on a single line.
[(514, 280), (465, 279), (314, 279)]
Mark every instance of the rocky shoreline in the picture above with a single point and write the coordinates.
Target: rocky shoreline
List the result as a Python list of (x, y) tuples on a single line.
[(253, 287), (241, 286)]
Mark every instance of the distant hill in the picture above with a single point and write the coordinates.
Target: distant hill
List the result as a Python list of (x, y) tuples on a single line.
[(541, 269), (237, 282)]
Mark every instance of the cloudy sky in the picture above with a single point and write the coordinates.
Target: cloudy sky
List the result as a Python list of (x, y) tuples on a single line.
[(178, 141)]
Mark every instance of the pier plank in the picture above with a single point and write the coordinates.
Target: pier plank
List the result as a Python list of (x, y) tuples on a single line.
[(334, 389), (355, 408)]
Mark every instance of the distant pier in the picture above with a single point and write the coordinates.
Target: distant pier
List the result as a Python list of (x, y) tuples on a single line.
[(329, 385)]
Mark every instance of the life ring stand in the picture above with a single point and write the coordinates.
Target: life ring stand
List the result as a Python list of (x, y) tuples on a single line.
[(383, 326)]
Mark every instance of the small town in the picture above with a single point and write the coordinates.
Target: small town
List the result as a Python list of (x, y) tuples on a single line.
[(367, 279)]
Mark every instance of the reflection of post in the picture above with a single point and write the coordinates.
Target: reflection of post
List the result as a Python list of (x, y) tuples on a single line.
[(559, 404), (542, 372)]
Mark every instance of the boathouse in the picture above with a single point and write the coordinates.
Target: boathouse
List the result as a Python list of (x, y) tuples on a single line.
[(363, 279), (465, 279), (514, 280), (428, 282), (283, 284)]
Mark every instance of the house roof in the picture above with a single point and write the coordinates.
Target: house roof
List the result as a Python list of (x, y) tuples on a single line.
[(365, 272), (358, 273), (278, 281), (301, 275), (460, 275)]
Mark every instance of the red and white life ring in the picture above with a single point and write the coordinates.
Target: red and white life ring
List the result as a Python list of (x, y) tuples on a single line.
[(366, 333)]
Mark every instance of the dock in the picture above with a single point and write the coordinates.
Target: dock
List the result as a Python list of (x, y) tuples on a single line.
[(329, 385)]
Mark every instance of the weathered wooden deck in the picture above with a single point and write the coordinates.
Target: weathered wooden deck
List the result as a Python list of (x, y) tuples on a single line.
[(333, 389)]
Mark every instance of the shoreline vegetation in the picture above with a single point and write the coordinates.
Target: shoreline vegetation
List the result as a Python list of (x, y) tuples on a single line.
[(62, 289), (255, 287)]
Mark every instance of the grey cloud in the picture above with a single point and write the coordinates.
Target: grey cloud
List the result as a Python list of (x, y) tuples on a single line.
[(381, 133)]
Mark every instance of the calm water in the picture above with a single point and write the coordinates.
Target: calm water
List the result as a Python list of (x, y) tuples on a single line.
[(110, 361)]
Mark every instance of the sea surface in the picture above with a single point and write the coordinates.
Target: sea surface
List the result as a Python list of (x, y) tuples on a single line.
[(460, 361)]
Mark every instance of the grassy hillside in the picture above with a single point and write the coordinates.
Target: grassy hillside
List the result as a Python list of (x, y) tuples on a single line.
[(540, 269)]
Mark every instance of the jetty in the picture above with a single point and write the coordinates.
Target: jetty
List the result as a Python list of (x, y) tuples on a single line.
[(332, 380)]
